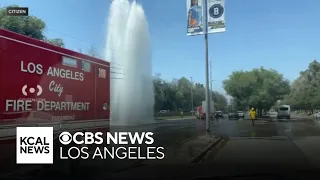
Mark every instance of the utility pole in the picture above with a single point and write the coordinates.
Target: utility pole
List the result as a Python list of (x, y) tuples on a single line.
[(232, 104), (191, 95), (206, 65), (210, 81), (211, 89)]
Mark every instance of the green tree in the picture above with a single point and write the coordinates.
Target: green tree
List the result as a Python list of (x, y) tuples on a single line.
[(27, 25), (220, 101), (176, 95), (56, 41), (158, 92), (305, 90), (259, 88)]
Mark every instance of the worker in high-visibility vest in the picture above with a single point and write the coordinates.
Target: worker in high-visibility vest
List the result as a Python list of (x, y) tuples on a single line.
[(252, 115)]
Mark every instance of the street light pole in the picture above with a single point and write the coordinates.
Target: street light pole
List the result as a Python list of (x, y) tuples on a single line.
[(191, 95), (206, 65), (211, 89)]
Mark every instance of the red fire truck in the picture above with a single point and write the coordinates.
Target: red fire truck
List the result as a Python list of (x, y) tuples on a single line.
[(200, 111), (45, 85)]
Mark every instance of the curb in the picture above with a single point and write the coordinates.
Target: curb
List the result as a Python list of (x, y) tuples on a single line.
[(175, 119), (259, 119), (204, 152)]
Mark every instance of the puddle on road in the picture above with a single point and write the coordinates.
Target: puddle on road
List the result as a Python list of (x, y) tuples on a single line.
[(256, 133), (252, 134), (308, 131), (268, 129)]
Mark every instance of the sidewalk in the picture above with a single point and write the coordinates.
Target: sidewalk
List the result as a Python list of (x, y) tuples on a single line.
[(302, 116), (185, 118)]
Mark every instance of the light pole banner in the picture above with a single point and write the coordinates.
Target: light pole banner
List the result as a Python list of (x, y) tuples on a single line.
[(195, 17), (216, 11)]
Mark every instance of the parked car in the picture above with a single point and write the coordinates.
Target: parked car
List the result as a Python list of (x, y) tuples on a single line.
[(283, 111), (241, 114), (272, 114), (218, 114), (316, 115), (164, 111), (210, 116), (233, 115)]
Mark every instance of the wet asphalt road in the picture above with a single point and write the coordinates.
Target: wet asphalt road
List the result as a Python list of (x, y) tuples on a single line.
[(270, 146), (295, 142), (296, 127)]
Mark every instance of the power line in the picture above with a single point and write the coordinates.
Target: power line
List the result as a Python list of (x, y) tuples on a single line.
[(117, 73), (90, 43)]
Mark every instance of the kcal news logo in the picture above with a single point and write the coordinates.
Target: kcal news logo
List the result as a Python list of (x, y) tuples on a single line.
[(34, 145)]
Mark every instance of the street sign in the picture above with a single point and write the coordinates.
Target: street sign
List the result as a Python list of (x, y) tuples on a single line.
[(194, 17), (216, 11)]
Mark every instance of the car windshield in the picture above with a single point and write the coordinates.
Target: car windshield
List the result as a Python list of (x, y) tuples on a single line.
[(167, 78), (283, 109)]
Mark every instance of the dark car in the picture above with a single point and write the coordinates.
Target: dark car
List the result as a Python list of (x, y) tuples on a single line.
[(233, 115), (218, 114), (204, 116)]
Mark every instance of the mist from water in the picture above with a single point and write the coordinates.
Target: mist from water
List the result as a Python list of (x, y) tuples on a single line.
[(128, 49)]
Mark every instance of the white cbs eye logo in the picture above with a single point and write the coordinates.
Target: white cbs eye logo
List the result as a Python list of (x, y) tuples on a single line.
[(65, 138)]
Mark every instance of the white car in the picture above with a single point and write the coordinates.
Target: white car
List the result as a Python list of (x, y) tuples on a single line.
[(272, 114), (283, 111), (241, 114), (316, 115)]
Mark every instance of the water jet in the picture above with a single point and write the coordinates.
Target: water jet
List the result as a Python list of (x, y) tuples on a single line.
[(128, 44)]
